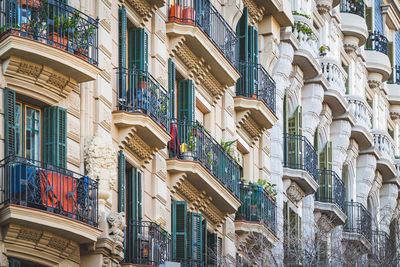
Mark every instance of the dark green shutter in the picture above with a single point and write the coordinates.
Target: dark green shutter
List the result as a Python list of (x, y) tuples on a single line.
[(55, 136), (14, 262), (212, 247), (135, 195), (346, 68), (242, 33), (122, 52), (186, 100), (368, 17), (138, 49), (121, 181), (9, 121), (179, 225), (171, 87), (253, 60), (390, 55), (286, 112), (195, 237), (204, 243)]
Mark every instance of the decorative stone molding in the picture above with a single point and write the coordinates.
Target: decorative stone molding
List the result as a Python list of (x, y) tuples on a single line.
[(145, 8), (117, 225), (295, 193), (54, 248), (51, 86), (325, 224), (324, 6), (256, 13), (101, 162)]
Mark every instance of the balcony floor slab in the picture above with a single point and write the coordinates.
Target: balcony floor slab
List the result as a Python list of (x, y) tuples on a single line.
[(302, 178)]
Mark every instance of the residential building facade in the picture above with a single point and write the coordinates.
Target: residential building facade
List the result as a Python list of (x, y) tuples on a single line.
[(199, 133)]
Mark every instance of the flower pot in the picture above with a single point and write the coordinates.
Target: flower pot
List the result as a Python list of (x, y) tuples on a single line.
[(254, 96), (29, 3), (188, 15), (175, 13), (188, 155), (322, 54), (143, 85), (58, 41), (82, 53)]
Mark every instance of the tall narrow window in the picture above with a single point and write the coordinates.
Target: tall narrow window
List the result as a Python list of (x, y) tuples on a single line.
[(186, 100)]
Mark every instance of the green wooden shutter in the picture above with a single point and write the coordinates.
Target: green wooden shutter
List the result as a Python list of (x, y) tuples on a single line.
[(286, 221), (346, 68), (135, 195), (323, 158), (329, 156), (212, 247), (242, 33), (179, 225), (286, 112), (138, 49), (121, 181), (186, 100), (368, 18), (9, 121), (55, 136), (204, 241), (171, 87), (14, 262), (195, 237), (253, 60), (219, 248), (122, 52), (298, 119)]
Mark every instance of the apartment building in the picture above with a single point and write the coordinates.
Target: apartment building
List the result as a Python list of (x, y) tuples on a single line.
[(199, 133)]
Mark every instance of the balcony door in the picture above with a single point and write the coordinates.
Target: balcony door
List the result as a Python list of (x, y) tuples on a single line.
[(326, 177)]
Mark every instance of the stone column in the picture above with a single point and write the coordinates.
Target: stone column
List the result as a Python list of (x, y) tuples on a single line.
[(388, 201), (366, 165), (312, 96), (340, 137), (281, 75)]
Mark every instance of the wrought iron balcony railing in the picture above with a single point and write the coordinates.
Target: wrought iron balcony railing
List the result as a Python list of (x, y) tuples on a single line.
[(190, 141), (42, 186), (395, 76), (382, 248), (139, 92), (377, 42), (356, 7), (51, 22), (257, 206), (299, 153), (204, 15), (331, 189), (359, 220), (256, 83), (147, 244)]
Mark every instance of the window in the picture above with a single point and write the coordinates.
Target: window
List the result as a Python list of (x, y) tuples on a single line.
[(28, 130), (292, 235)]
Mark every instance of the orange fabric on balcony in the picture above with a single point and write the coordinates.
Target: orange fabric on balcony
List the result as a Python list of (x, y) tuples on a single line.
[(58, 191)]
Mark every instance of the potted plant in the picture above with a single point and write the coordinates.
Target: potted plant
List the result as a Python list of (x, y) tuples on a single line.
[(189, 149), (29, 3), (323, 50), (84, 39), (59, 37), (270, 190), (227, 146)]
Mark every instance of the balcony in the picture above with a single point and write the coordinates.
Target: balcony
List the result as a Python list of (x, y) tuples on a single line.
[(358, 226), (336, 76), (200, 34), (377, 61), (385, 145), (305, 56), (142, 115), (48, 198), (300, 162), (383, 252), (52, 37), (330, 196), (353, 24), (146, 244), (255, 99), (195, 155), (257, 213), (395, 76), (362, 112)]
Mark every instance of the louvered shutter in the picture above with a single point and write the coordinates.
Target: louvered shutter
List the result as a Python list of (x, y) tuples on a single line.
[(329, 155), (298, 119), (14, 262), (179, 226), (346, 69), (138, 49), (55, 136), (391, 59), (135, 195), (121, 181), (368, 18), (10, 123), (186, 100), (195, 238), (122, 52), (12, 17), (204, 241), (253, 60), (286, 112), (242, 33), (171, 87), (212, 248), (378, 16), (397, 47)]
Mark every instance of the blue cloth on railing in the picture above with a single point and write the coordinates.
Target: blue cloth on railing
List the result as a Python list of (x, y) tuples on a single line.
[(21, 175)]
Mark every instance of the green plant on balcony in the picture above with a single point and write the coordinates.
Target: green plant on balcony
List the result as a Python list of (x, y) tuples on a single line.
[(227, 146), (323, 50), (300, 27), (301, 14), (269, 188)]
